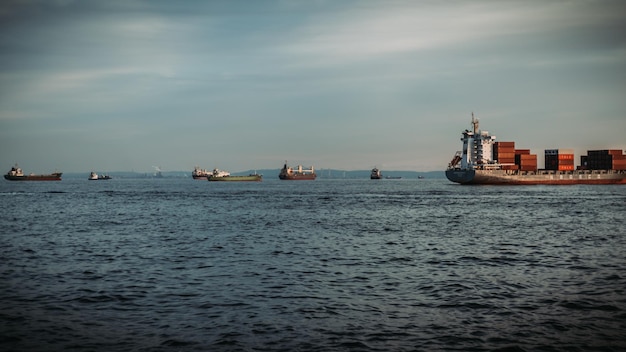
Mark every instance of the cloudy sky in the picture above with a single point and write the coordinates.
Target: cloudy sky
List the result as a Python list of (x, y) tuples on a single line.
[(239, 85)]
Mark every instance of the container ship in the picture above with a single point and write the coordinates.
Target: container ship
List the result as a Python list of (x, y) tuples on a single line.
[(288, 173), (225, 176), (484, 161), (16, 174)]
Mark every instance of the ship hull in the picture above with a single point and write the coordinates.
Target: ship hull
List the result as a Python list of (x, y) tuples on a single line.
[(250, 178), (298, 177), (204, 178), (541, 177), (51, 177)]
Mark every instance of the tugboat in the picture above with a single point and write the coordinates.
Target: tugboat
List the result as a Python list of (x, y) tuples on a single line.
[(93, 176), (376, 174), (483, 161), (16, 174), (225, 176), (288, 173)]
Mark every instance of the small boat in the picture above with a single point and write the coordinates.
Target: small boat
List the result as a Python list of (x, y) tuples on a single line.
[(288, 173), (16, 174), (225, 176), (376, 174), (93, 176), (200, 174)]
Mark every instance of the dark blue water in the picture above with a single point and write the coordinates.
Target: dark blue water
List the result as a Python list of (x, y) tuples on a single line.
[(328, 265)]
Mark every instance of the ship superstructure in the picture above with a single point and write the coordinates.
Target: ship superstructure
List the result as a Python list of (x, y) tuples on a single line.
[(477, 148)]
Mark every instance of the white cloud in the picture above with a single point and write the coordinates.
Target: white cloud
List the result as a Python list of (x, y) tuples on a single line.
[(411, 28)]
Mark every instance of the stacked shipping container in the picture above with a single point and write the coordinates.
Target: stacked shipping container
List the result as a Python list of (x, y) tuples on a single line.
[(611, 159), (525, 160), (504, 152), (559, 159)]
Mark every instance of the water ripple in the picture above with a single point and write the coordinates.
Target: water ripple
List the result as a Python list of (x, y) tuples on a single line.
[(180, 265)]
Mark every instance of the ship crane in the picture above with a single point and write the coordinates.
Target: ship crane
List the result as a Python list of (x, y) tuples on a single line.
[(456, 159)]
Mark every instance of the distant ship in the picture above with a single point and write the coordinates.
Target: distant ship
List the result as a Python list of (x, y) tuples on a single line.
[(288, 173), (93, 176), (225, 176), (484, 161), (376, 174), (16, 174), (200, 174)]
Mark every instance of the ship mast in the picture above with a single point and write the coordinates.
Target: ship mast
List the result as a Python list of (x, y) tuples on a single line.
[(474, 123)]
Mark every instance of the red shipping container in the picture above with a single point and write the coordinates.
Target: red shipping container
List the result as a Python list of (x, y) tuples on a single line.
[(506, 155), (526, 159), (619, 164), (522, 151), (618, 156)]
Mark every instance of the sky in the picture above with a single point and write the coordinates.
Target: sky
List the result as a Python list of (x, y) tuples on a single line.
[(241, 85)]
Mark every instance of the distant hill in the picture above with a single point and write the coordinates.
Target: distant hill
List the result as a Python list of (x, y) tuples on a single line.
[(270, 174), (365, 174)]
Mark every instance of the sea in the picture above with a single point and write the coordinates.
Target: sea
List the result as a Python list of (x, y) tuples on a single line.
[(176, 264)]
